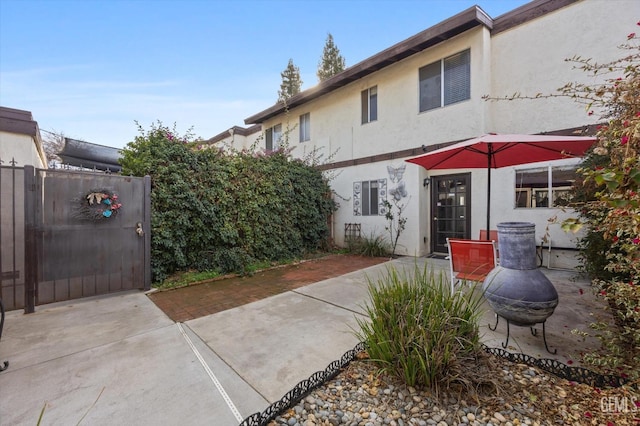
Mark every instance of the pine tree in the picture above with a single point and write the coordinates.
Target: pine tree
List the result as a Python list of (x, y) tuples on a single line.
[(332, 61), (291, 82)]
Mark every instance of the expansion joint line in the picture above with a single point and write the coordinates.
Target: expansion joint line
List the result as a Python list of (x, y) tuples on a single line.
[(213, 377)]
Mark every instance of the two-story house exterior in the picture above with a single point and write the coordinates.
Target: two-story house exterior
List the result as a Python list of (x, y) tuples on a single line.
[(427, 91)]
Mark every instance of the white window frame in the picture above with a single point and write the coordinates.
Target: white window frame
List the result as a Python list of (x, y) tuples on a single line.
[(273, 136), (364, 204), (449, 78), (533, 191), (369, 101), (305, 127)]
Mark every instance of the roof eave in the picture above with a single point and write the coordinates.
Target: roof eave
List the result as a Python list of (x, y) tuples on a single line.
[(457, 24)]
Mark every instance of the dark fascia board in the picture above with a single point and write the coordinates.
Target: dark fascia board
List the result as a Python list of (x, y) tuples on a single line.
[(586, 130), (237, 130), (18, 121), (21, 122), (457, 24), (527, 12)]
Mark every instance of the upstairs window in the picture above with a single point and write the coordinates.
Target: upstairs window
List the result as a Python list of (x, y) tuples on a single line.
[(445, 82), (369, 100), (305, 127), (534, 185), (272, 137)]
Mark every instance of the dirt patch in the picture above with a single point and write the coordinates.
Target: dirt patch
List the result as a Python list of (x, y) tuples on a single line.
[(195, 301)]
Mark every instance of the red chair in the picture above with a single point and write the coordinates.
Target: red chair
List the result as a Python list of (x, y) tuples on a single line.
[(493, 235), (471, 260)]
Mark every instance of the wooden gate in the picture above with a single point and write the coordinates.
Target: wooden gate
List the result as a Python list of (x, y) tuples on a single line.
[(71, 248)]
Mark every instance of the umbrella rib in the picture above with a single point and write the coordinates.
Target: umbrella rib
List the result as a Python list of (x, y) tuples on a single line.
[(453, 154)]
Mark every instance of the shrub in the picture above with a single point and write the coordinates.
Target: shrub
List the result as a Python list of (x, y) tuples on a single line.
[(610, 191), (396, 223), (416, 329), (212, 211)]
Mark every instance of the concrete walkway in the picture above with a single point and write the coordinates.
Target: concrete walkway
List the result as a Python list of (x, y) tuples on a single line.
[(118, 359)]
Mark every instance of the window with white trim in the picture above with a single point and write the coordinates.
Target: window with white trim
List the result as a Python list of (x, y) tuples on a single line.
[(305, 127), (369, 99), (273, 135), (445, 82), (368, 197), (534, 185)]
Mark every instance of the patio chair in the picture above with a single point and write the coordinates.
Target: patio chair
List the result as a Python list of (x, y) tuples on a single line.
[(470, 260), (493, 236)]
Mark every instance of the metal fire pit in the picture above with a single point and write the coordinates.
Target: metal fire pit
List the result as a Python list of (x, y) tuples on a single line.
[(517, 290)]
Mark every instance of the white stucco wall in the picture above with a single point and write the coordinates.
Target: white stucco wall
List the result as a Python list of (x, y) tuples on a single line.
[(22, 148), (411, 240), (530, 59)]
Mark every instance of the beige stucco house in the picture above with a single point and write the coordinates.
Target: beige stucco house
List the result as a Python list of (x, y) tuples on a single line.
[(20, 139), (427, 91)]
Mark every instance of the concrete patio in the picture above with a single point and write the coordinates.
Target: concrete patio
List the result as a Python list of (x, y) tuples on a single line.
[(118, 359)]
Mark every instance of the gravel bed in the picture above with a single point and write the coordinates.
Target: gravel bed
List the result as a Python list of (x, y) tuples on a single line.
[(522, 395)]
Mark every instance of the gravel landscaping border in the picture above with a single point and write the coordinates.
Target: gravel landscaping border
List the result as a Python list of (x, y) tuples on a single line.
[(297, 407)]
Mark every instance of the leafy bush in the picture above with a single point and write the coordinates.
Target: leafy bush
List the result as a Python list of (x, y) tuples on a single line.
[(213, 211), (417, 330), (610, 191)]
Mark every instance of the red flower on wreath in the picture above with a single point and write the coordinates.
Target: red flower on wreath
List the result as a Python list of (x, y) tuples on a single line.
[(106, 201)]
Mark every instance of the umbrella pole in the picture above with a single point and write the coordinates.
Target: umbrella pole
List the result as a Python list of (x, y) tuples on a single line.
[(489, 155)]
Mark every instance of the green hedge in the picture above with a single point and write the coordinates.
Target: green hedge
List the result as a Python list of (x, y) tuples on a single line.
[(217, 211)]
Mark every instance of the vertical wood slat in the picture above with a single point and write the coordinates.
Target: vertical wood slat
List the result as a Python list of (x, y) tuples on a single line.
[(12, 250), (31, 261)]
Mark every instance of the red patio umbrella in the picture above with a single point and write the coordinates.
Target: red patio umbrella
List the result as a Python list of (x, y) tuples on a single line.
[(501, 150)]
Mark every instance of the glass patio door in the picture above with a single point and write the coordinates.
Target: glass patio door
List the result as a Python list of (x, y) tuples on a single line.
[(450, 209)]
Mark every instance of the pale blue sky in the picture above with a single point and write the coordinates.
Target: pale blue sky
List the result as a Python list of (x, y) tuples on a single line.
[(91, 68)]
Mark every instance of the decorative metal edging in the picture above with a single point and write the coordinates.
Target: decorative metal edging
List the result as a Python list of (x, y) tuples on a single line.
[(303, 389), (555, 367)]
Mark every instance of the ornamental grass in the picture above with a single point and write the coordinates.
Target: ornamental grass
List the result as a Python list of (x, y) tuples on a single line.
[(417, 330)]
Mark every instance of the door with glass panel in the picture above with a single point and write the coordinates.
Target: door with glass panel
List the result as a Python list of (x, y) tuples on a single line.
[(450, 209)]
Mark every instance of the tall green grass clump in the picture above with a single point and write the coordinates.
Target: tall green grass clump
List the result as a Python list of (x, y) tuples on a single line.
[(416, 329), (371, 246)]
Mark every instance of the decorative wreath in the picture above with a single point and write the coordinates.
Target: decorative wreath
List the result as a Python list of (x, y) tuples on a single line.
[(99, 204)]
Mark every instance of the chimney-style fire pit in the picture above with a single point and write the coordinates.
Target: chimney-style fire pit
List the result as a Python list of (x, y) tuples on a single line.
[(516, 289)]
